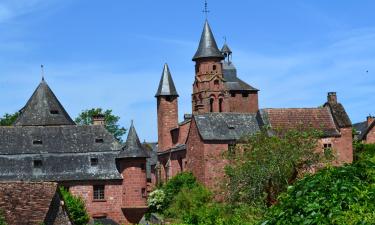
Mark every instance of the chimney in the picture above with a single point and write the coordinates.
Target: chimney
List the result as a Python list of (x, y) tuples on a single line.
[(370, 120), (98, 120), (332, 98)]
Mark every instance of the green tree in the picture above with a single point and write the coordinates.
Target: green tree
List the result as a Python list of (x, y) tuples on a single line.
[(111, 121), (2, 218), (336, 195), (75, 207), (8, 119), (264, 164)]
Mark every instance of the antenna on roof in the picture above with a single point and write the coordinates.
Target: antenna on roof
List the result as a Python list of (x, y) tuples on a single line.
[(42, 71), (206, 11)]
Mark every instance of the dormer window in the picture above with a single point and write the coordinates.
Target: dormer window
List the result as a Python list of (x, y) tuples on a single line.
[(99, 140), (37, 163), (37, 142), (54, 112), (94, 161)]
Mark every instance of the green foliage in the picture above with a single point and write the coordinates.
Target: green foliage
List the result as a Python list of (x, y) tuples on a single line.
[(111, 121), (75, 207), (156, 200), (8, 119), (339, 195), (176, 184), (364, 152), (2, 219), (264, 165)]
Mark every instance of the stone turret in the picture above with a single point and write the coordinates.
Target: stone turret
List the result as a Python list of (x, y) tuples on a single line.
[(167, 109), (131, 162)]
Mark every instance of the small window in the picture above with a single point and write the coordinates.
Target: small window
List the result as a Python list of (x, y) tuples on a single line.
[(328, 151), (216, 82), (245, 95), (99, 140), (211, 104), (144, 193), (38, 163), (233, 95), (214, 67), (220, 105), (37, 142), (94, 161), (54, 112), (143, 167), (98, 192)]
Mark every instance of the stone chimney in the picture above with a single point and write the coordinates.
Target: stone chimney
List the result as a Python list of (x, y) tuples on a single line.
[(370, 120), (332, 98), (98, 120)]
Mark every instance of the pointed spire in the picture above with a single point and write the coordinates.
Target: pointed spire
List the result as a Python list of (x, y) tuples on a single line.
[(133, 147), (207, 45), (166, 85), (43, 109)]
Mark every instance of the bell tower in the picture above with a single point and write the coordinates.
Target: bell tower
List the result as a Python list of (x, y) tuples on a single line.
[(209, 94)]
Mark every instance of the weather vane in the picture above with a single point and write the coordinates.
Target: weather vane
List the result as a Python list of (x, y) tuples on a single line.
[(206, 11)]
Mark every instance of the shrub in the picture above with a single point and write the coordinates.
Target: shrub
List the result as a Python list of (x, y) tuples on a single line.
[(263, 165), (2, 219), (344, 195), (156, 200), (75, 207)]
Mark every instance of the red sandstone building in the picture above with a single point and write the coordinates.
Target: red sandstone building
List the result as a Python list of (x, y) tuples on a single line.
[(224, 109), (45, 144), (366, 130)]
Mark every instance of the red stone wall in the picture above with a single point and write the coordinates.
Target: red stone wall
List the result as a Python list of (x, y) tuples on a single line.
[(110, 207), (370, 138), (167, 120), (214, 164), (135, 179), (342, 146), (195, 153), (183, 133), (249, 104)]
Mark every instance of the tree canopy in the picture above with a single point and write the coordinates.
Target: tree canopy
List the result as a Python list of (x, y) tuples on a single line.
[(111, 121), (8, 119)]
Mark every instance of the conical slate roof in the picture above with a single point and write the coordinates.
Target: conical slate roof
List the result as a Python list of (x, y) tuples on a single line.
[(207, 45), (166, 85), (226, 49), (43, 109), (133, 147)]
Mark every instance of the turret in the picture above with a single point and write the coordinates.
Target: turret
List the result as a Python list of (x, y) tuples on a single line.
[(208, 88), (131, 162), (167, 109)]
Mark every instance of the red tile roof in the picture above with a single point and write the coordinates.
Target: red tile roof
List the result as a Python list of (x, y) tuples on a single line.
[(291, 118)]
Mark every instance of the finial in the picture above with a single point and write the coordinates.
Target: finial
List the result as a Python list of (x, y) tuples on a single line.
[(206, 11), (42, 71)]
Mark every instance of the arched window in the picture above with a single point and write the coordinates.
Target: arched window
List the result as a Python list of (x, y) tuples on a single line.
[(220, 105), (211, 104), (216, 83), (214, 67)]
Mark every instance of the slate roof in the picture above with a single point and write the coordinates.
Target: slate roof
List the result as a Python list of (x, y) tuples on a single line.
[(133, 147), (226, 49), (294, 118), (43, 109), (207, 46), (341, 117), (232, 82), (361, 129), (166, 84), (227, 126), (30, 203), (62, 150)]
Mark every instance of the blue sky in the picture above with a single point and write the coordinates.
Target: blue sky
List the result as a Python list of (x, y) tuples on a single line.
[(110, 54)]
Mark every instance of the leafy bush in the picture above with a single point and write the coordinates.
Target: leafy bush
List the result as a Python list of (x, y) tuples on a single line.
[(75, 207), (344, 195), (263, 165), (364, 152), (2, 219), (156, 200)]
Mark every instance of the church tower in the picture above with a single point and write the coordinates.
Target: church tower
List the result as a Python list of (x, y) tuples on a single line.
[(167, 109), (208, 89)]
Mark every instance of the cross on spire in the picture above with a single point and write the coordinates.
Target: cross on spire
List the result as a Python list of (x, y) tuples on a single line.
[(205, 10)]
